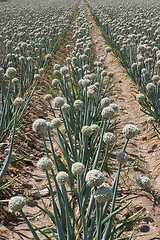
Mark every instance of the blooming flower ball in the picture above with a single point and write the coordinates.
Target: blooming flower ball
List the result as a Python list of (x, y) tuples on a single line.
[(122, 157), (130, 131), (55, 82), (103, 193), (77, 168), (94, 178), (95, 128), (62, 177), (108, 112), (56, 123), (48, 97), (140, 97), (105, 102), (19, 102), (114, 106), (16, 203), (44, 164), (86, 131), (39, 126), (66, 108), (11, 72), (58, 102), (143, 181), (150, 120), (78, 104), (109, 138)]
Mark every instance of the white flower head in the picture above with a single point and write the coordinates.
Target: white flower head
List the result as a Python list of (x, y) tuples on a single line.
[(39, 125), (86, 131), (108, 112), (37, 77), (130, 131), (103, 193), (11, 72), (95, 128), (94, 178), (44, 164), (151, 120), (114, 106), (17, 203), (55, 82), (122, 157), (62, 177), (105, 102), (58, 102), (151, 87), (19, 102), (56, 123), (140, 97), (64, 70), (78, 104), (143, 182), (66, 108), (78, 168), (48, 97), (109, 138)]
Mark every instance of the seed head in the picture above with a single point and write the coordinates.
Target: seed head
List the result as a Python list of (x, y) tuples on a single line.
[(56, 123), (78, 104), (62, 177), (39, 125), (130, 131), (151, 87), (109, 138), (44, 164), (78, 168), (11, 72), (19, 102), (94, 178), (48, 97), (108, 112), (105, 102), (140, 97), (143, 182), (17, 203), (103, 193), (95, 128), (66, 108), (122, 157), (55, 82), (58, 102)]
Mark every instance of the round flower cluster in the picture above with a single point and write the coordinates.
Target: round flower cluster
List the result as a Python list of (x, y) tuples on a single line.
[(78, 104), (55, 82), (48, 97), (109, 138), (19, 102), (108, 112), (64, 70), (66, 108), (44, 164), (17, 203), (58, 102), (94, 178), (39, 125), (143, 182), (122, 157), (130, 131), (62, 177), (86, 131), (105, 102), (37, 77), (95, 128), (78, 168), (151, 87), (15, 81), (103, 193), (114, 106), (140, 97), (56, 123), (11, 72)]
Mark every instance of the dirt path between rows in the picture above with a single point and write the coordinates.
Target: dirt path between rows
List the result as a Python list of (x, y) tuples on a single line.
[(146, 154)]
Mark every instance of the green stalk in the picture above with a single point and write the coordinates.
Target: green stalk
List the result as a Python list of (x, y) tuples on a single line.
[(30, 226), (8, 158), (60, 232)]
